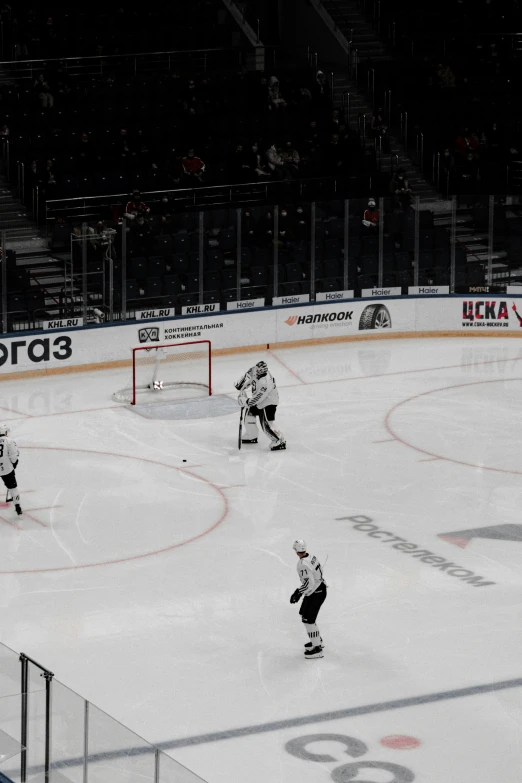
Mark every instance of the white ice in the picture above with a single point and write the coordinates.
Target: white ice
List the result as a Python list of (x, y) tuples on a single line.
[(159, 589)]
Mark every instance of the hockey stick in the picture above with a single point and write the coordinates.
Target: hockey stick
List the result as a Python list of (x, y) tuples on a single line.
[(241, 421)]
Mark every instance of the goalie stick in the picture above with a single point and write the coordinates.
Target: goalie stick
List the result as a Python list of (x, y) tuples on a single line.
[(241, 421)]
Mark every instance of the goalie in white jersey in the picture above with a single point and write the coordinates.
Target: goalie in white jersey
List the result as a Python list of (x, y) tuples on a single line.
[(313, 591), (9, 456), (262, 404)]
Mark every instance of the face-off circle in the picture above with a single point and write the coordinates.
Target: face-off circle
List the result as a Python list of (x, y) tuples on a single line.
[(103, 521)]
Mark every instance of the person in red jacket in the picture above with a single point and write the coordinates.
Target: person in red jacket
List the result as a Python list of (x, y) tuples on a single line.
[(193, 169), (371, 215), (135, 206), (466, 143)]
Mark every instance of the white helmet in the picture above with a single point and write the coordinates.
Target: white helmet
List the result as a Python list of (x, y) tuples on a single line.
[(4, 429), (299, 546)]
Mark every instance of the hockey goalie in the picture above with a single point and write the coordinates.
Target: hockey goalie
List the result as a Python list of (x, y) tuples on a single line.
[(261, 404)]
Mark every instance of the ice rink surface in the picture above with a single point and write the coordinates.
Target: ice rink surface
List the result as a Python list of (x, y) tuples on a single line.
[(159, 589)]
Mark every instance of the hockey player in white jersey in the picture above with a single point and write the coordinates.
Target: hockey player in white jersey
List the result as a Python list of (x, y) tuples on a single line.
[(313, 591), (9, 456), (262, 404)]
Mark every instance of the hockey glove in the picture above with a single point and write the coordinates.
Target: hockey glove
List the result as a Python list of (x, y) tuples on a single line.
[(15, 464), (296, 595), (242, 399)]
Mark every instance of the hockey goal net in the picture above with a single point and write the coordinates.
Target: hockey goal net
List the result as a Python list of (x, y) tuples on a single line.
[(168, 370)]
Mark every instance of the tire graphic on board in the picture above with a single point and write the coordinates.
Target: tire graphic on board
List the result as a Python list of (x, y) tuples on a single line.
[(375, 316)]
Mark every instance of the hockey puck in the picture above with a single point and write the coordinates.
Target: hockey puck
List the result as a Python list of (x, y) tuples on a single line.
[(184, 460)]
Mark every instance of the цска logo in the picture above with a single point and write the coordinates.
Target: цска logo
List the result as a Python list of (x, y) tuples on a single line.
[(485, 311)]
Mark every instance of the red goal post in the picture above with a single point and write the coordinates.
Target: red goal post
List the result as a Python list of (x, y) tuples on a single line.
[(170, 370)]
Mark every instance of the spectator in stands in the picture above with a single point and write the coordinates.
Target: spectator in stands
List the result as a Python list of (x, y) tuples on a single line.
[(276, 162), (465, 143), (379, 130), (261, 168), (275, 99), (291, 159), (334, 124), (142, 236), (371, 217), (193, 169), (321, 93), (43, 91), (400, 189), (136, 207)]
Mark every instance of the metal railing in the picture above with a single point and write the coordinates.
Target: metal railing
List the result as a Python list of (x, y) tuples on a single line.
[(130, 64), (214, 255)]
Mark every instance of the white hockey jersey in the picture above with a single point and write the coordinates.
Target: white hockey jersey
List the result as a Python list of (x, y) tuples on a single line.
[(8, 455), (310, 574), (264, 389)]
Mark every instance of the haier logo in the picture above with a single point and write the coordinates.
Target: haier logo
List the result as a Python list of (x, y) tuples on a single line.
[(485, 313)]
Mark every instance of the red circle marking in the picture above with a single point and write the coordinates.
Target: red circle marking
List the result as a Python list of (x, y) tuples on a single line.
[(144, 554), (395, 436), (400, 742)]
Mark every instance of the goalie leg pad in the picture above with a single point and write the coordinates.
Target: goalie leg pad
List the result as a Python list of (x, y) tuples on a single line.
[(268, 428), (250, 431)]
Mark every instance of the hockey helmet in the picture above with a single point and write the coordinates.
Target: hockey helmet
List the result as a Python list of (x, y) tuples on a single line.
[(299, 545), (4, 429), (261, 369)]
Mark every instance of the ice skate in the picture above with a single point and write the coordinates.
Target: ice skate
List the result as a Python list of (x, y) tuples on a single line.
[(18, 508), (315, 652), (279, 445), (308, 645)]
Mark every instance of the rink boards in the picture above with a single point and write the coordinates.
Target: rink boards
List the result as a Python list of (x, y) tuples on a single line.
[(103, 346)]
